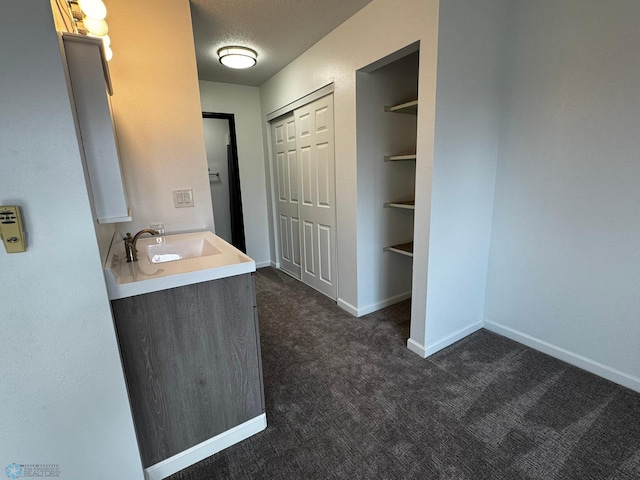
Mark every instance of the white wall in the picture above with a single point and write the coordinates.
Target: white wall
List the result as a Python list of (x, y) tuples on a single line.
[(379, 29), (156, 106), (63, 394), (216, 138), (385, 277), (565, 249), (470, 53), (244, 103)]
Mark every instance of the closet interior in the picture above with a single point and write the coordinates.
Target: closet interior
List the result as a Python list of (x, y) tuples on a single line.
[(387, 106)]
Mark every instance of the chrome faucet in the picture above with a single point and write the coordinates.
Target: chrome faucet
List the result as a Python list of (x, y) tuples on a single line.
[(130, 249)]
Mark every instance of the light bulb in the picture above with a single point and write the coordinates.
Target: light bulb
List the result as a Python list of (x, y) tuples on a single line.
[(107, 41), (108, 53), (99, 28), (93, 8)]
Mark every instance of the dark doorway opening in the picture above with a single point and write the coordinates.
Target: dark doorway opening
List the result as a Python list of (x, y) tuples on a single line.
[(236, 226)]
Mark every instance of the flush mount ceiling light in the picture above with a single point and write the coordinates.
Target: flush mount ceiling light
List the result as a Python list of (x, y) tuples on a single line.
[(237, 57)]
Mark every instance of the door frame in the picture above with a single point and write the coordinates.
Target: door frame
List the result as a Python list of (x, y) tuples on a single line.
[(240, 241), (301, 102)]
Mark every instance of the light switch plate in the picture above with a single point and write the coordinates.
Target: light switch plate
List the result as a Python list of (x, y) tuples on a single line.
[(183, 198)]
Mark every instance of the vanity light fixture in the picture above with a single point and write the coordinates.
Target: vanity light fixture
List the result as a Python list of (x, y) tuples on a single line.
[(93, 8), (95, 27), (89, 19), (237, 57)]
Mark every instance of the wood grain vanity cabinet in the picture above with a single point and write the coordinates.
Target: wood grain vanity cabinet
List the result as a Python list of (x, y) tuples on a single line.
[(192, 363)]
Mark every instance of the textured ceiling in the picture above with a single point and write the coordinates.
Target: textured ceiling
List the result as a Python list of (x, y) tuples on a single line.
[(279, 30)]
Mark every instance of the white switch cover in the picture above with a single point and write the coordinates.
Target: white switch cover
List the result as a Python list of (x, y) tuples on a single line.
[(183, 198)]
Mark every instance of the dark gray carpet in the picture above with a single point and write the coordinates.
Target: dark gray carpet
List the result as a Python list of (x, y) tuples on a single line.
[(346, 400)]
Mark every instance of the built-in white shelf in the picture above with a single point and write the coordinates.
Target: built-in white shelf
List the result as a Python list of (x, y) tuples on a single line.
[(402, 249), (408, 107), (399, 158), (409, 205)]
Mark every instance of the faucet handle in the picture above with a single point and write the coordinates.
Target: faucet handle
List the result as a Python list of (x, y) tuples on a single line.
[(128, 248)]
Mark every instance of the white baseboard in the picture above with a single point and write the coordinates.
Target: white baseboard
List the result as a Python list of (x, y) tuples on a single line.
[(275, 264), (384, 303), (560, 353), (266, 263), (450, 339), (374, 307), (453, 337), (347, 306), (416, 348), (205, 449)]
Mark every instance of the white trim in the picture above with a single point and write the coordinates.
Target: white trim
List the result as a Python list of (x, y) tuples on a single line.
[(104, 220), (205, 449), (266, 263), (347, 306), (432, 348), (311, 97), (274, 232), (403, 52), (560, 353), (384, 303), (453, 338), (374, 307), (75, 37), (416, 348)]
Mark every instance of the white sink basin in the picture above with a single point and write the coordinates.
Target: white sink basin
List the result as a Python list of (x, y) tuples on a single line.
[(175, 249), (182, 259)]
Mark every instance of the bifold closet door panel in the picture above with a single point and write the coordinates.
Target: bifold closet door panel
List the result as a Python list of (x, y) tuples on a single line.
[(315, 150), (287, 195)]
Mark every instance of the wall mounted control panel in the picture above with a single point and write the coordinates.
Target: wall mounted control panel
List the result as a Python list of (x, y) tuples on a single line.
[(11, 229)]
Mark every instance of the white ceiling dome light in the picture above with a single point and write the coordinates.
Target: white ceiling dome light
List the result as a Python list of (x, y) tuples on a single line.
[(237, 57)]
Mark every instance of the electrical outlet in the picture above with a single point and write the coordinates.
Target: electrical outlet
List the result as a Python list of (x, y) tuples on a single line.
[(158, 227), (183, 198)]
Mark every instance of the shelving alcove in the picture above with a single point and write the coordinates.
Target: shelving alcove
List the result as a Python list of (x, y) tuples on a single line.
[(409, 108)]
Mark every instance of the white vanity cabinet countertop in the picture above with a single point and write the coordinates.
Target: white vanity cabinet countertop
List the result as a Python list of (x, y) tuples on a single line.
[(172, 261)]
